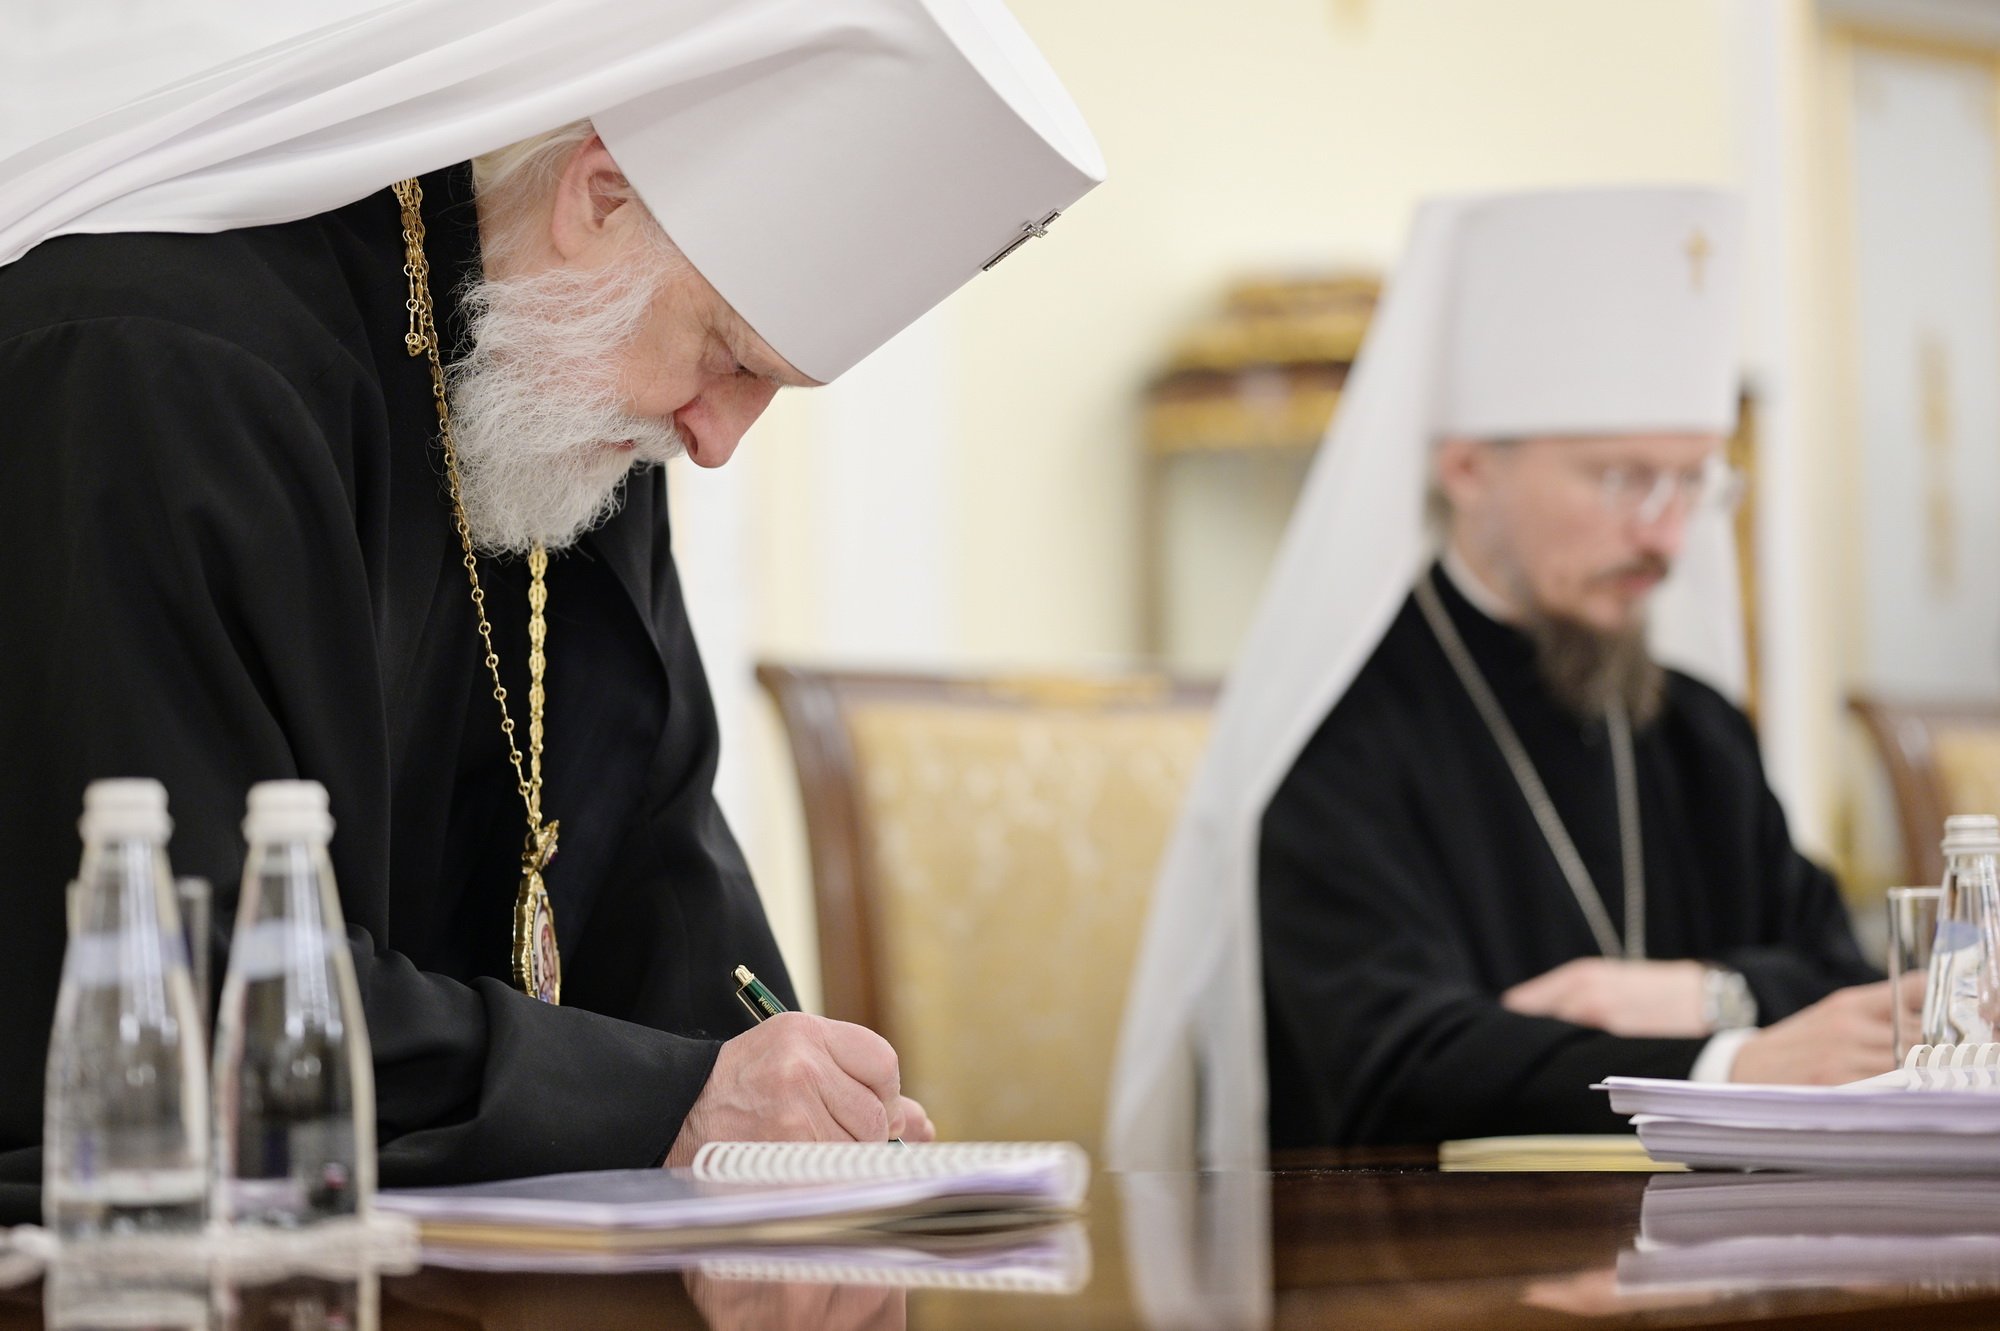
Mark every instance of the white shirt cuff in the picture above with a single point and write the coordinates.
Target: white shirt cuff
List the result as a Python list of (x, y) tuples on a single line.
[(1718, 1057)]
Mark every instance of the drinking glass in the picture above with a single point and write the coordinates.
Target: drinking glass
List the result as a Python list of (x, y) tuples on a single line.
[(1913, 913)]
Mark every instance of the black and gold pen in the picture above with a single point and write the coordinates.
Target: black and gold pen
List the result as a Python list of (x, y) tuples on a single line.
[(762, 1004)]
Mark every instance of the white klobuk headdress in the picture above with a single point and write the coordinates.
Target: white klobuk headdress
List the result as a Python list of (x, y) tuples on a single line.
[(833, 167), (1585, 312)]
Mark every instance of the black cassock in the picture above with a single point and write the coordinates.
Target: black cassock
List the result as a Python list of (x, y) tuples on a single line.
[(1405, 885), (232, 559)]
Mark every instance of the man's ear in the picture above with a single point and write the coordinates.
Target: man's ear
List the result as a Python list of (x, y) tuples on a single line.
[(593, 207), (1463, 471)]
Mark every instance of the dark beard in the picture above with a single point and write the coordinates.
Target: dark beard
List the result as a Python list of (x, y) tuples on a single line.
[(1588, 669)]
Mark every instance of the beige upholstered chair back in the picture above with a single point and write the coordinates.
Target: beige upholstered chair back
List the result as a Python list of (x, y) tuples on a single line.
[(1941, 759), (982, 855)]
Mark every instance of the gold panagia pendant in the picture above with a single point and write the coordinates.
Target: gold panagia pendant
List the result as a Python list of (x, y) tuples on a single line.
[(537, 961)]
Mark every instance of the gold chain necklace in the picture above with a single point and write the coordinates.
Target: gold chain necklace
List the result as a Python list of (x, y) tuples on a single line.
[(1624, 779), (537, 963)]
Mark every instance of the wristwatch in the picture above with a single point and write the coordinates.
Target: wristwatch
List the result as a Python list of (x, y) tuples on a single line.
[(1726, 1001)]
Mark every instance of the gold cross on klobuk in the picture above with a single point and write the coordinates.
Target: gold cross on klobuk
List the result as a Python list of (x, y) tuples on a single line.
[(1698, 250)]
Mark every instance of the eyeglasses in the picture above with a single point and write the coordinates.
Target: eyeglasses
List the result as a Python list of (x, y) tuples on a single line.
[(1641, 494)]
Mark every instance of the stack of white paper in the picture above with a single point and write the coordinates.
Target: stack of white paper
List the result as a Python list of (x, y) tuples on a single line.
[(1879, 1126)]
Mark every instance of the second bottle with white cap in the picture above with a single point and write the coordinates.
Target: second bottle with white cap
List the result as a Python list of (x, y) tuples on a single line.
[(293, 1085)]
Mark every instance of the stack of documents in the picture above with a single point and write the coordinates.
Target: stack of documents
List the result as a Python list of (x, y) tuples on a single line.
[(1885, 1125), (751, 1194), (1778, 1230)]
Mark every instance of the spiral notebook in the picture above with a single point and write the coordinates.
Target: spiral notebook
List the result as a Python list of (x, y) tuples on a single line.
[(1940, 1110), (1054, 1260), (759, 1193)]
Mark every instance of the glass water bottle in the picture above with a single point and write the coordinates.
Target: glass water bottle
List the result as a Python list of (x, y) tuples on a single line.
[(125, 1114), (1960, 994), (294, 1087)]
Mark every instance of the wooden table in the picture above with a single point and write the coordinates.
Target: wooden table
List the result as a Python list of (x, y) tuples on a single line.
[(1333, 1243)]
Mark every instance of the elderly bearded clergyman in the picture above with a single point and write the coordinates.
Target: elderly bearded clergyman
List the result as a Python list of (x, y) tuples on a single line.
[(330, 385)]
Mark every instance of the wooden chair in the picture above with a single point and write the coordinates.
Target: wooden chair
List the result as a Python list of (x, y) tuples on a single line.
[(1942, 758), (982, 854)]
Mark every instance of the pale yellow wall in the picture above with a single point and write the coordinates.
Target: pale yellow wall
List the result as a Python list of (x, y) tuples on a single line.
[(1255, 135), (1249, 135), (1252, 135)]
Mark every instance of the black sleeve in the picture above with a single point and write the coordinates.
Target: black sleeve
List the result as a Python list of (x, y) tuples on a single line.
[(1377, 1029), (1806, 946), (188, 603)]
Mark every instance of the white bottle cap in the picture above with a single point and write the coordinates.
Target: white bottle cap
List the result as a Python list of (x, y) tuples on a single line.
[(1968, 832), (287, 811), (126, 808)]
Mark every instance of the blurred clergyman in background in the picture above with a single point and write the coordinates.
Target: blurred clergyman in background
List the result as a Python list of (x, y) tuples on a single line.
[(1496, 851)]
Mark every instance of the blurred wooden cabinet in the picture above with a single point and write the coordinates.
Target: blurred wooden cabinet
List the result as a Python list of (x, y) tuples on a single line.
[(1230, 423)]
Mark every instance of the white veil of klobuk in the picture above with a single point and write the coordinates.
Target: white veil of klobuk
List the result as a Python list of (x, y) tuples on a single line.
[(1582, 312), (833, 167)]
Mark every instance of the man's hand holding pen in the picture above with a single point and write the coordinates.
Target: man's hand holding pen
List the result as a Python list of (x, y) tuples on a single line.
[(797, 1077)]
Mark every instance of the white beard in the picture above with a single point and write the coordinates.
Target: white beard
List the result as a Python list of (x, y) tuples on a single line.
[(536, 411)]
